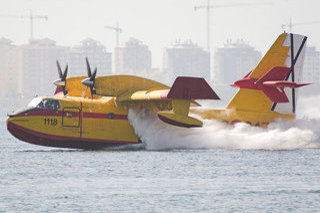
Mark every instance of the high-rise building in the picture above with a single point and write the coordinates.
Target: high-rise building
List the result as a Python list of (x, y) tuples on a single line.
[(311, 66), (11, 75), (233, 61), (186, 59), (97, 55), (39, 66), (133, 58), (30, 69)]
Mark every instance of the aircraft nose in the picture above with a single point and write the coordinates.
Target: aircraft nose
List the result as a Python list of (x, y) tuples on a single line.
[(9, 123), (10, 115), (20, 112), (9, 120)]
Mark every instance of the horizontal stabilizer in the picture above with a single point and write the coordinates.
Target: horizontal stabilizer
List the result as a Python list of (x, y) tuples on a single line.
[(275, 74), (282, 84), (247, 75), (275, 95), (272, 84), (191, 88)]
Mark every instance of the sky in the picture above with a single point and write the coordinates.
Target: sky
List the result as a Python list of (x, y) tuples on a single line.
[(159, 23)]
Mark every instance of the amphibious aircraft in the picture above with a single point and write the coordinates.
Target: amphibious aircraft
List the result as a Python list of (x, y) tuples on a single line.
[(91, 112)]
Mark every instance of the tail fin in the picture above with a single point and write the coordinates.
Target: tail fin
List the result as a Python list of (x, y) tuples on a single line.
[(287, 51)]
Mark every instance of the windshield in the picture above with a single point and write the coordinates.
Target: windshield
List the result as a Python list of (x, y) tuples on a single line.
[(50, 104), (35, 102), (47, 104)]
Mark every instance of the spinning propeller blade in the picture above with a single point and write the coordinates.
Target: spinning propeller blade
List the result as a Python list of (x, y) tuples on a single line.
[(61, 82), (88, 67), (59, 69), (89, 82), (65, 73)]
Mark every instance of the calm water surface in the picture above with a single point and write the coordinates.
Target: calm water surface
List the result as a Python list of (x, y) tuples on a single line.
[(40, 179)]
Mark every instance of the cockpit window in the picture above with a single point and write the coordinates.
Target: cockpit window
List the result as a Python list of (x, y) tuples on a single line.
[(50, 104), (47, 104), (35, 102)]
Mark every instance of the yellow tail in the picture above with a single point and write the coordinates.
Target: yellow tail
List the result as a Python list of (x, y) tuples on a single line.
[(279, 54)]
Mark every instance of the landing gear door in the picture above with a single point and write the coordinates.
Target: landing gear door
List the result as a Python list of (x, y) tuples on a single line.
[(71, 117)]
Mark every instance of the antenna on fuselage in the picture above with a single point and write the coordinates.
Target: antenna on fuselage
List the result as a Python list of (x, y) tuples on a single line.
[(89, 82)]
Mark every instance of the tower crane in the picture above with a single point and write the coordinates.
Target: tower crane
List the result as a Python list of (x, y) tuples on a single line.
[(290, 25), (208, 7), (31, 17), (117, 30)]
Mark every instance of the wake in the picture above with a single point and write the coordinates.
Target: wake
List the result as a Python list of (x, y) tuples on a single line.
[(302, 133)]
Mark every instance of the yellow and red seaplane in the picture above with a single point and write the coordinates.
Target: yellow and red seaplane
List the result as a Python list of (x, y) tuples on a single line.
[(78, 117)]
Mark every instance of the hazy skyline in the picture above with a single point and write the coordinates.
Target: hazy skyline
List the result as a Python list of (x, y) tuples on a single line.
[(158, 23)]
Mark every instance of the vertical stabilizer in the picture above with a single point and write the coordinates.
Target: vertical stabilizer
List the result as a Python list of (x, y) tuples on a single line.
[(294, 60), (278, 55)]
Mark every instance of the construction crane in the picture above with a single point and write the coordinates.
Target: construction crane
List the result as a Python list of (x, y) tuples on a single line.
[(117, 30), (209, 8), (31, 17), (290, 25)]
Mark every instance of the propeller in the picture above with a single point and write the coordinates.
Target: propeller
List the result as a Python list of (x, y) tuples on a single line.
[(61, 82), (89, 82)]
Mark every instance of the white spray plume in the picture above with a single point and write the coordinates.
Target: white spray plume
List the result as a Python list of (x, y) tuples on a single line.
[(302, 133)]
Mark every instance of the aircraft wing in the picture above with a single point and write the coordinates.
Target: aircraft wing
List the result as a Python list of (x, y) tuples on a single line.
[(188, 88), (178, 98), (137, 91), (117, 85), (111, 85)]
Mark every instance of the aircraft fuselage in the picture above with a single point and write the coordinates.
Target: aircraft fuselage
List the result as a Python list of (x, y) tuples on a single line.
[(93, 124)]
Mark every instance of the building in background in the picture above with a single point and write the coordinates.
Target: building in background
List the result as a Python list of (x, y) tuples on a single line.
[(311, 66), (30, 69), (39, 66), (233, 61), (11, 75), (186, 59), (133, 57), (97, 55)]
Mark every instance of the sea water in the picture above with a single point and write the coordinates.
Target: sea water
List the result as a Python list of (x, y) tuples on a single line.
[(214, 169)]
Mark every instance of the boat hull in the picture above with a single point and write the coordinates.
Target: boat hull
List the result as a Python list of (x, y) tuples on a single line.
[(42, 139)]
